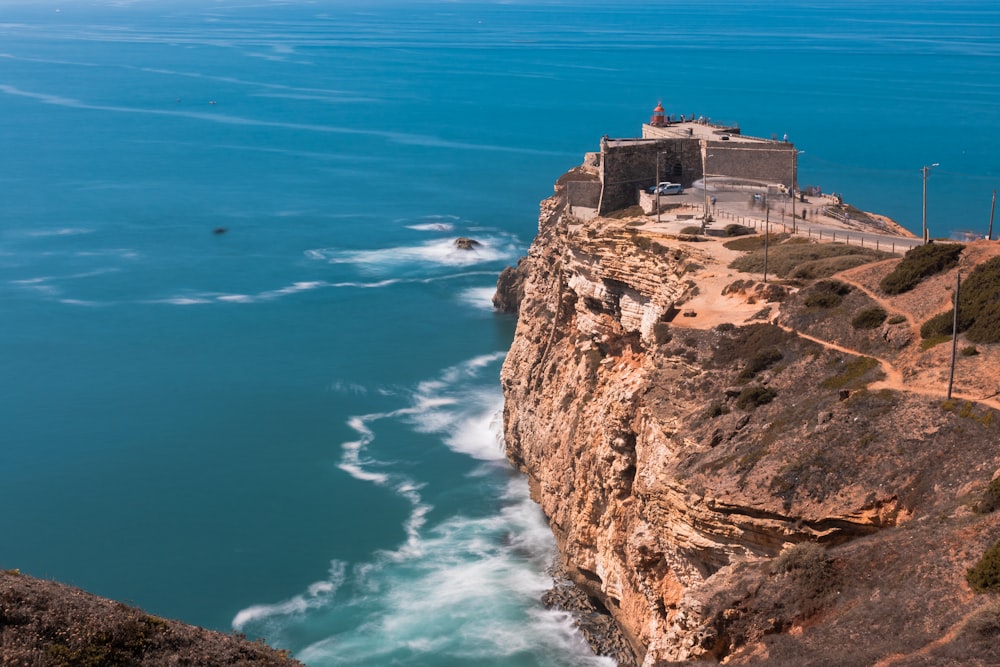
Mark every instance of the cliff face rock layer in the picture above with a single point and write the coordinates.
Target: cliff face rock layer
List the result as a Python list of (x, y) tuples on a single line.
[(730, 486)]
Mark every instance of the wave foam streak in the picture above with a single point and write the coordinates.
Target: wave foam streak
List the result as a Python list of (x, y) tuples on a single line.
[(463, 589)]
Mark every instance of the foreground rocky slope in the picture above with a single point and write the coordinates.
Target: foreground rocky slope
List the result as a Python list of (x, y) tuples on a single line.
[(748, 488), (44, 623)]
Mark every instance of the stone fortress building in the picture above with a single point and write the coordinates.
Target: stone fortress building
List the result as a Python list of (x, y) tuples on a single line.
[(682, 150)]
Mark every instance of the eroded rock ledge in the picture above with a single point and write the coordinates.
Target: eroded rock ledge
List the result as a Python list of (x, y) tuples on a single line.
[(827, 526)]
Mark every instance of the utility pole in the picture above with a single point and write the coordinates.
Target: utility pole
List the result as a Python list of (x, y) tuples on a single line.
[(954, 332), (795, 186), (704, 182), (767, 228), (925, 171), (993, 208)]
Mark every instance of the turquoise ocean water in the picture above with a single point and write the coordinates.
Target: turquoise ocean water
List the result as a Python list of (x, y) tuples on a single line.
[(291, 429)]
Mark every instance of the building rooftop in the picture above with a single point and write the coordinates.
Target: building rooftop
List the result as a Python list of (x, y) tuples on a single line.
[(701, 130)]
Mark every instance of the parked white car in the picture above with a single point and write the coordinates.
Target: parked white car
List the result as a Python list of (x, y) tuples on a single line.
[(666, 188)]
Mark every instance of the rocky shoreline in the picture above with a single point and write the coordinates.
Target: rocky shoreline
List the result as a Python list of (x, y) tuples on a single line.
[(594, 622)]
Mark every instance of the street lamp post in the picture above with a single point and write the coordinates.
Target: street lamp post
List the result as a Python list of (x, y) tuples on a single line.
[(925, 171), (704, 181)]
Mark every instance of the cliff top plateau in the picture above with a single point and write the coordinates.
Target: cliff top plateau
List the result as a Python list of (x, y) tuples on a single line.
[(744, 443)]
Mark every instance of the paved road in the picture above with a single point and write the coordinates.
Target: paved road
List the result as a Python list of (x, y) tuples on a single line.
[(737, 206)]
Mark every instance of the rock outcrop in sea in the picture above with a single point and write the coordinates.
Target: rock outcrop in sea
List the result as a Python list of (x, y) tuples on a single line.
[(762, 482)]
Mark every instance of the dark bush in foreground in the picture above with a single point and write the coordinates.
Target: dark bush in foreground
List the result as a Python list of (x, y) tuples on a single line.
[(984, 576), (827, 294), (978, 307), (991, 498), (918, 263), (760, 361), (662, 334), (869, 318), (755, 242), (751, 397)]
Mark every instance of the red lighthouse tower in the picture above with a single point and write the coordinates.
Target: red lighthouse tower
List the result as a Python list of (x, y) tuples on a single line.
[(658, 119)]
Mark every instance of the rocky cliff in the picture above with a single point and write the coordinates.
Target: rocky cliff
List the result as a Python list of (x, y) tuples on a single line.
[(749, 478)]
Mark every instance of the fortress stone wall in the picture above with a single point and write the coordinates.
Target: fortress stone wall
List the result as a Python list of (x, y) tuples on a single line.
[(630, 165)]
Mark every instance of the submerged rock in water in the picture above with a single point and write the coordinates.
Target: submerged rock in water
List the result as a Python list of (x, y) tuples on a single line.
[(465, 243)]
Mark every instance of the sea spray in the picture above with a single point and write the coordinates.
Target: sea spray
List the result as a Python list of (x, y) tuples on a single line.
[(464, 588)]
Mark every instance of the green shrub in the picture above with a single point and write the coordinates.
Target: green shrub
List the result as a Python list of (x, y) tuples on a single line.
[(991, 498), (897, 319), (827, 294), (823, 300), (662, 334), (751, 397), (785, 258), (984, 576), (827, 266), (761, 360), (725, 327), (978, 307), (869, 318), (918, 263), (833, 286), (716, 409), (969, 351), (736, 230), (939, 325), (755, 242), (803, 556), (854, 375), (692, 230), (928, 343)]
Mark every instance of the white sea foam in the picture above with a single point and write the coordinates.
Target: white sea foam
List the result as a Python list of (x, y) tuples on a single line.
[(82, 302), (318, 595), (468, 597), (343, 387), (440, 251), (228, 119), (479, 297), (189, 299), (60, 231), (432, 227), (465, 589), (236, 298)]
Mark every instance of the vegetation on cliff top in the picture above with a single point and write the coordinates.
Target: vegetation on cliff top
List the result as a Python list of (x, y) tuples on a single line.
[(984, 576), (798, 258), (978, 307), (918, 263)]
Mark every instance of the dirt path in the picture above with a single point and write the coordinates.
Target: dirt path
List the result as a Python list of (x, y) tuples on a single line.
[(894, 377), (848, 277), (709, 308), (946, 638)]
